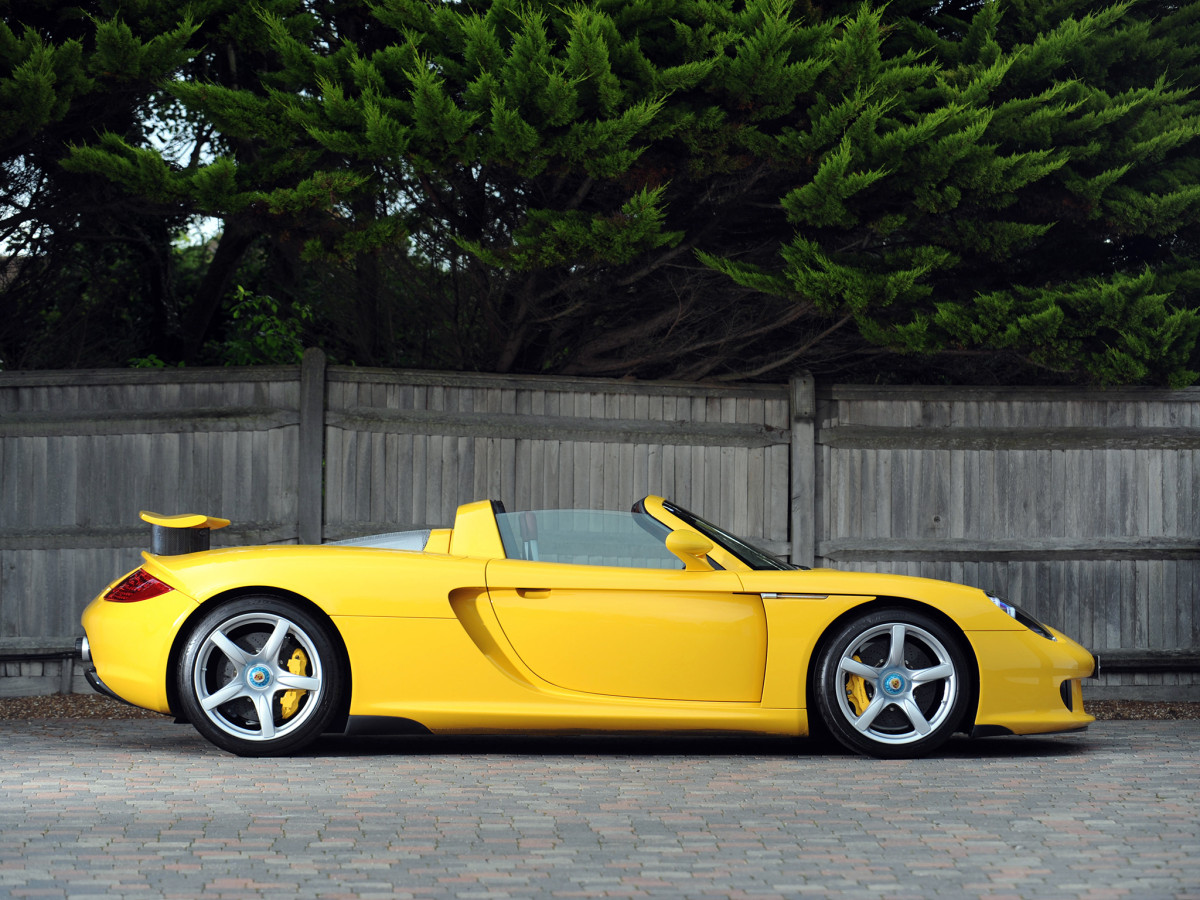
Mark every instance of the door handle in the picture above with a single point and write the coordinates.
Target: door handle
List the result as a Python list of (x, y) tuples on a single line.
[(534, 593)]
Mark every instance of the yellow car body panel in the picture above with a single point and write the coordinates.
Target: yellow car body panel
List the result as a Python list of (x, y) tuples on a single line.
[(475, 533), (459, 638), (439, 541), (473, 693), (658, 634), (135, 666), (359, 581)]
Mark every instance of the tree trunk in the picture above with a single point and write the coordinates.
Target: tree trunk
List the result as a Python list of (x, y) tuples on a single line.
[(235, 240)]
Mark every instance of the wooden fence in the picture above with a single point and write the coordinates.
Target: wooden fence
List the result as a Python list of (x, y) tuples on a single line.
[(1081, 506)]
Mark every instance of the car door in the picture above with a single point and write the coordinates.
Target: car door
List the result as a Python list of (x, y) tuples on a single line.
[(630, 632)]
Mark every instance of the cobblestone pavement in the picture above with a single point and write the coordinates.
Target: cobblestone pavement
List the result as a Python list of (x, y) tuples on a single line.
[(146, 809)]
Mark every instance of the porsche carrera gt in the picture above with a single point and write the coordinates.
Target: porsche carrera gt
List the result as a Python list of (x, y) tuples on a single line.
[(652, 620)]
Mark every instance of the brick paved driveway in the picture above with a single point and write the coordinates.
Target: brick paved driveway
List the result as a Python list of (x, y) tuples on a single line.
[(147, 809)]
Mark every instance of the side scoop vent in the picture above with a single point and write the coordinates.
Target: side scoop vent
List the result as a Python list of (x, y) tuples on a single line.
[(176, 535)]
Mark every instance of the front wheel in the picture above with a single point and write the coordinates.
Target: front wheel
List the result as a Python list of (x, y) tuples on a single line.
[(893, 683), (260, 677)]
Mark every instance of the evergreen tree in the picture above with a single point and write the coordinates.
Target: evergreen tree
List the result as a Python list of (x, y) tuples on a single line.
[(82, 257), (1015, 179), (705, 188)]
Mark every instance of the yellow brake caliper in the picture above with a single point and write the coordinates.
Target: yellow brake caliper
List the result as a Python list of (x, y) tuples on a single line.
[(856, 692), (297, 665)]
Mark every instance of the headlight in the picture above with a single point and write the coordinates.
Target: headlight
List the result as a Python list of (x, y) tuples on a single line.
[(1023, 617)]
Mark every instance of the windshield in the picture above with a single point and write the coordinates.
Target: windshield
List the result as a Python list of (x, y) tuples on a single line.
[(747, 553)]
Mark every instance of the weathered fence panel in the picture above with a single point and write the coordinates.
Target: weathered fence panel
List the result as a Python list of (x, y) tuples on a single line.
[(1083, 506), (82, 452)]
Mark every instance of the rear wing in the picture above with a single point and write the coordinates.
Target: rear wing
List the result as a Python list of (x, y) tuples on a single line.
[(175, 535)]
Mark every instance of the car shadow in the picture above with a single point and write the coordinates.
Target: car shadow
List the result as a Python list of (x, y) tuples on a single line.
[(161, 735), (621, 745)]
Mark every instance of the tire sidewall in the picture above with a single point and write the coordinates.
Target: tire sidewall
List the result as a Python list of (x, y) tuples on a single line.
[(316, 631), (828, 683)]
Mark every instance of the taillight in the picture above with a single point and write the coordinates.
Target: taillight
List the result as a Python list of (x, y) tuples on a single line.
[(140, 585)]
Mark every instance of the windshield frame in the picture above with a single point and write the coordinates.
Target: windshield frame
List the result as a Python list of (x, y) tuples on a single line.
[(754, 558)]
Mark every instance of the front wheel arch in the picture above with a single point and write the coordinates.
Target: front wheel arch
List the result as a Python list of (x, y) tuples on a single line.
[(811, 708), (340, 718)]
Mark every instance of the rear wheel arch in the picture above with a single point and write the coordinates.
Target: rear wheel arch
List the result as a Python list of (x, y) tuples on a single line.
[(811, 707), (207, 606)]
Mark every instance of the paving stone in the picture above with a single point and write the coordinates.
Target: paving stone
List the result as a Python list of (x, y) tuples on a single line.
[(143, 808)]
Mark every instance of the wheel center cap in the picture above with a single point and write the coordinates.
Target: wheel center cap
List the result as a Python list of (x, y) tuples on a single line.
[(258, 676), (893, 684)]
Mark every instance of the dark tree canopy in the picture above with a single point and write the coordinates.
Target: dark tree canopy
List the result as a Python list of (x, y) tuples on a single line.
[(999, 191), (84, 255)]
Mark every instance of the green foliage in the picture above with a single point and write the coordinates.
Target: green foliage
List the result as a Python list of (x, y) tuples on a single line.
[(151, 361), (681, 188), (1122, 329), (982, 196), (261, 333), (40, 82)]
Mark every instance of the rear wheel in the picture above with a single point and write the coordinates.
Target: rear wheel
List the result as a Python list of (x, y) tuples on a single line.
[(893, 683), (260, 677)]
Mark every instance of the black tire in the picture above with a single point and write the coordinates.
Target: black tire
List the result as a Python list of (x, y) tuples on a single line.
[(260, 676), (893, 683)]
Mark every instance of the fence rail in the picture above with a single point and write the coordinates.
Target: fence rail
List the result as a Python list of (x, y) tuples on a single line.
[(1083, 506)]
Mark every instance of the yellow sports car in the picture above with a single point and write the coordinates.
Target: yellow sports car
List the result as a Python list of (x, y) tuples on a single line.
[(565, 621)]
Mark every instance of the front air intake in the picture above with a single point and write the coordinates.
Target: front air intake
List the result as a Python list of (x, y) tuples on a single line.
[(1066, 691)]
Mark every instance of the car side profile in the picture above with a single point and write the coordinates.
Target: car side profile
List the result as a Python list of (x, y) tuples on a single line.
[(652, 620)]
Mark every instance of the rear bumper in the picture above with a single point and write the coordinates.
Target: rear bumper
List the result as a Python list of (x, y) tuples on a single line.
[(83, 653), (129, 645), (100, 687)]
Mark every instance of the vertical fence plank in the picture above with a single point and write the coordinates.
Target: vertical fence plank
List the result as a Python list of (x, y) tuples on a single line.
[(802, 392), (309, 512)]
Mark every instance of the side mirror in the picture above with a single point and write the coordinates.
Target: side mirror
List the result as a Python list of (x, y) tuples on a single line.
[(692, 548)]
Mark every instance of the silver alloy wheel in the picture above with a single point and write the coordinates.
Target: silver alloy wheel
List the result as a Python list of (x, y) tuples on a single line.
[(241, 668), (910, 691)]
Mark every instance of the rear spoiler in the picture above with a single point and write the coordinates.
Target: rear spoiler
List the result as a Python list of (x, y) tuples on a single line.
[(175, 535)]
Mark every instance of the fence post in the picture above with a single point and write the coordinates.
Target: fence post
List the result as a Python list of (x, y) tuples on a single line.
[(311, 464), (803, 469)]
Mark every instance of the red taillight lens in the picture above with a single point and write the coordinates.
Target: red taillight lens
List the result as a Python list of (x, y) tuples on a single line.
[(141, 585)]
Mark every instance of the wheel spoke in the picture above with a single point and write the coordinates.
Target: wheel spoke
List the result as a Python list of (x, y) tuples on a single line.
[(266, 715), (896, 653), (298, 682), (919, 722), (863, 722), (235, 653), (270, 650), (933, 673), (862, 670), (231, 691)]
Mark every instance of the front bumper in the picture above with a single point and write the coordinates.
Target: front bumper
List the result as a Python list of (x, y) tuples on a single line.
[(1028, 684)]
